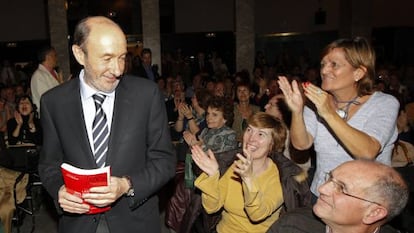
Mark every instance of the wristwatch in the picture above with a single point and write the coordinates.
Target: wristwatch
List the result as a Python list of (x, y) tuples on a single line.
[(131, 191)]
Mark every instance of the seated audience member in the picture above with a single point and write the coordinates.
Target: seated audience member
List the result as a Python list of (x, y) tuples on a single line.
[(162, 85), (175, 99), (243, 109), (405, 132), (19, 91), (196, 83), (262, 94), (250, 191), (4, 117), (25, 126), (9, 96), (359, 196), (217, 136), (210, 85), (229, 87), (219, 88), (169, 82), (192, 117)]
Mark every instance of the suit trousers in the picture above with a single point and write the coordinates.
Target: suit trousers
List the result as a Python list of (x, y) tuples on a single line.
[(103, 225)]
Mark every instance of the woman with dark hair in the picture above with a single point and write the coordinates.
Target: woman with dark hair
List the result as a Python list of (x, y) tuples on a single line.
[(348, 119), (243, 109), (250, 191), (217, 136), (25, 126), (192, 117)]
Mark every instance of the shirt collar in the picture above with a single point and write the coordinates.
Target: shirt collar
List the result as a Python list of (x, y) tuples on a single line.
[(328, 229), (88, 91)]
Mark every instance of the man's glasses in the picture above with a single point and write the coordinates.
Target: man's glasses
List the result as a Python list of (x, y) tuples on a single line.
[(340, 188)]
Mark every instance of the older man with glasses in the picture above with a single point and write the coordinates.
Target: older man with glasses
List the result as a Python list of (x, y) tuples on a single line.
[(358, 196)]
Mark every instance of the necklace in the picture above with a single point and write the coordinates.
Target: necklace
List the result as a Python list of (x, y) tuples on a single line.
[(343, 111)]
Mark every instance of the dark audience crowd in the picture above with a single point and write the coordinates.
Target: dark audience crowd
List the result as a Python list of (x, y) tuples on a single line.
[(210, 111)]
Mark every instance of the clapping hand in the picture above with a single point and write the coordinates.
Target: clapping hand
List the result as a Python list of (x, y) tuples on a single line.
[(320, 98), (185, 110), (292, 93), (244, 166), (205, 161), (18, 118), (189, 138)]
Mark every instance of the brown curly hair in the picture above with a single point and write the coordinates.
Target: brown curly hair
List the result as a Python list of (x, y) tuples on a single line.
[(223, 105)]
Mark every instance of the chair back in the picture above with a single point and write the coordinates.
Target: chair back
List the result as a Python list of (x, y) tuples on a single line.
[(24, 158)]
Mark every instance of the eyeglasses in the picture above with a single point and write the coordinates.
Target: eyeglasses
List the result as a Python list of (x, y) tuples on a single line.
[(340, 188)]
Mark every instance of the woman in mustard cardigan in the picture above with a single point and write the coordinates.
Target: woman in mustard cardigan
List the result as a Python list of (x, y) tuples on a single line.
[(250, 191)]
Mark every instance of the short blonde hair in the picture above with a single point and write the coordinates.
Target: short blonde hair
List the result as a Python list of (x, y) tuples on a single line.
[(359, 53)]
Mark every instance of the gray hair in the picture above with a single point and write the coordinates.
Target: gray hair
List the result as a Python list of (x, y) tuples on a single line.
[(392, 190)]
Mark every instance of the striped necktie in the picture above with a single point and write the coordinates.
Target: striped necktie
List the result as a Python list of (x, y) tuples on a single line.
[(100, 131)]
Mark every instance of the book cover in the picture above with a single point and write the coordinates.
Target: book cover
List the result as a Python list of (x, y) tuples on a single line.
[(79, 181)]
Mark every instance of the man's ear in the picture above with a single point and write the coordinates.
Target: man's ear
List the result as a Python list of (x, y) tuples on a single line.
[(375, 214), (79, 54)]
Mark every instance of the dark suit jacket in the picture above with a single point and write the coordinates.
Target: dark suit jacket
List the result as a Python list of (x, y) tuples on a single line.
[(303, 220), (141, 72), (139, 147)]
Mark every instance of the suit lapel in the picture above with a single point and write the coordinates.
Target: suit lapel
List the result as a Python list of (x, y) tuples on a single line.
[(120, 120), (76, 120)]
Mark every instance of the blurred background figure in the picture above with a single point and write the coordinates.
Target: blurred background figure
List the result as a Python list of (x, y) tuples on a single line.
[(147, 69), (25, 126), (8, 74), (45, 77)]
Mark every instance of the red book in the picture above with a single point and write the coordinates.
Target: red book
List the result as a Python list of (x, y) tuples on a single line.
[(79, 181)]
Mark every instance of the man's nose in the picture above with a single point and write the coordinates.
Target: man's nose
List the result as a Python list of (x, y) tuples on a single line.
[(117, 67), (326, 187)]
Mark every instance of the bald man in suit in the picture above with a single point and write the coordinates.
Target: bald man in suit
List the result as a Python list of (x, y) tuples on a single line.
[(139, 149)]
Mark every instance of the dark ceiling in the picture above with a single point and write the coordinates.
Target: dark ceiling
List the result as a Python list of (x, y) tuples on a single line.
[(127, 13)]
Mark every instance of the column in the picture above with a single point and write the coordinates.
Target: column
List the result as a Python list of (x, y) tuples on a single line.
[(151, 29), (245, 34), (58, 29)]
